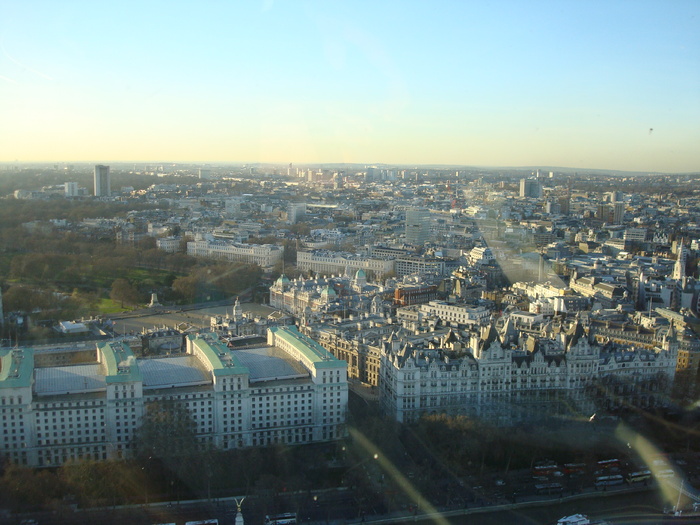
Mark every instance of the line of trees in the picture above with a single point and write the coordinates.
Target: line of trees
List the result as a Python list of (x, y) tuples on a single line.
[(15, 212), (169, 463), (216, 281), (69, 260)]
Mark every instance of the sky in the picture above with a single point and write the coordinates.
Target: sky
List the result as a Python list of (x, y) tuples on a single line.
[(595, 84)]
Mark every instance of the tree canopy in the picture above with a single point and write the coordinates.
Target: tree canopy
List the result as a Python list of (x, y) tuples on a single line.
[(124, 292)]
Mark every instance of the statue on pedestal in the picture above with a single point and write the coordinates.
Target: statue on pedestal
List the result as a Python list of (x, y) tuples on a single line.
[(239, 514)]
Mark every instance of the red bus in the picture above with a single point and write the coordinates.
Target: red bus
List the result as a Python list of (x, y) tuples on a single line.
[(545, 469), (571, 468)]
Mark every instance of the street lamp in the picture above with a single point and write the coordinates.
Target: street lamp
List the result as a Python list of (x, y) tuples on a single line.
[(360, 498), (315, 510), (374, 456)]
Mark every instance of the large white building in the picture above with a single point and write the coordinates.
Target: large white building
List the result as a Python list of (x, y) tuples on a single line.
[(419, 264), (264, 255), (480, 255), (324, 262), (168, 244), (487, 377), (289, 390), (458, 314)]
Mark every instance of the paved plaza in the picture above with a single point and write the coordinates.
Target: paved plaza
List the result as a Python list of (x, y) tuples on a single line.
[(180, 317)]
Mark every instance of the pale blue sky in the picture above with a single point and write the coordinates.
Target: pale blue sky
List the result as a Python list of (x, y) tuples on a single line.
[(564, 83)]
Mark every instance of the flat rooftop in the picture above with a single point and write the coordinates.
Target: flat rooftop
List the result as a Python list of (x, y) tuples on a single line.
[(177, 371), (269, 364), (72, 379)]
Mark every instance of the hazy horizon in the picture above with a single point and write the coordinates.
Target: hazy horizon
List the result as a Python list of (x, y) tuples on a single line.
[(598, 86), (432, 165)]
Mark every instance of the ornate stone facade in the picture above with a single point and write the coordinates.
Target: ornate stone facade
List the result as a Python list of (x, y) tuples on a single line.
[(485, 375)]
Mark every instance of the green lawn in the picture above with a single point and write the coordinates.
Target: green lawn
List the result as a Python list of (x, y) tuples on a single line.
[(107, 306), (148, 276)]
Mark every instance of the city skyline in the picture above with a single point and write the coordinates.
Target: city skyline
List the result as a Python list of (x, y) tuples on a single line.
[(592, 86)]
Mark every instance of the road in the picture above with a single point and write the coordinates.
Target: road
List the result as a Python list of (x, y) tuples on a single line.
[(619, 508), (172, 316)]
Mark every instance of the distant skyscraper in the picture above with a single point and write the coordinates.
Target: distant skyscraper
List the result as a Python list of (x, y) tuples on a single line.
[(530, 188), (70, 189), (296, 211), (102, 186), (616, 196), (552, 207), (417, 226), (373, 174), (565, 205), (618, 212), (204, 173)]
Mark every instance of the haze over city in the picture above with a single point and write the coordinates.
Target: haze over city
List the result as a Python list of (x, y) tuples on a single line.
[(590, 85)]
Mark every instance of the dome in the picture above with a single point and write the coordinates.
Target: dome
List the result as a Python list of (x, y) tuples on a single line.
[(328, 292), (283, 279)]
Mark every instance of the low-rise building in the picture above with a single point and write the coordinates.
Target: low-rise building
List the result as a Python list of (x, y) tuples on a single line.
[(457, 314), (409, 294), (343, 294), (264, 255), (419, 264), (169, 244)]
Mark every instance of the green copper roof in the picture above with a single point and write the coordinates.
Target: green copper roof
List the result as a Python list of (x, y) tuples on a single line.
[(314, 352), (119, 362), (221, 359), (329, 291), (16, 367)]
